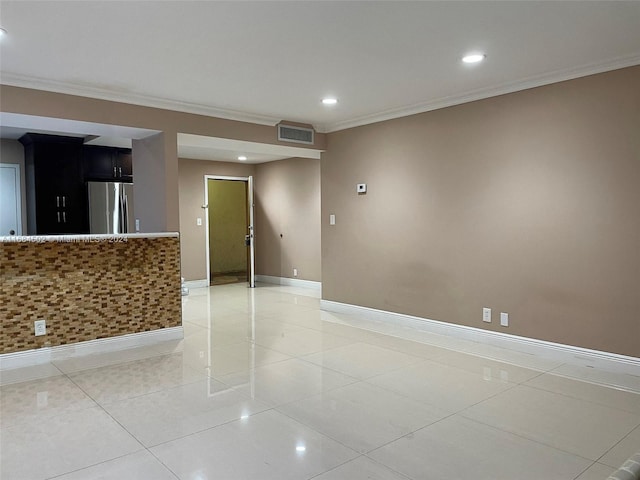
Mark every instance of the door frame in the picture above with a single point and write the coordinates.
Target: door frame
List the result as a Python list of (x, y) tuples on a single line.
[(18, 199), (251, 230)]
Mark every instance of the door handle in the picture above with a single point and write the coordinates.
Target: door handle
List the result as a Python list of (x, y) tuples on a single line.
[(247, 240), (64, 201), (64, 217), (58, 217), (119, 171), (57, 201), (114, 171)]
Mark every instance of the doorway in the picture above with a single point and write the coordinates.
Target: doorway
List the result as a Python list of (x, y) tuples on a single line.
[(229, 230), (10, 198)]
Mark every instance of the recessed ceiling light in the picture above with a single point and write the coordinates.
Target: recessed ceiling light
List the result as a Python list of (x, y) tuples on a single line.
[(474, 58), (242, 158), (329, 101)]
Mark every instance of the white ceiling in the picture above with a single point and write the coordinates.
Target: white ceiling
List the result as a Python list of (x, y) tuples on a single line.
[(267, 61)]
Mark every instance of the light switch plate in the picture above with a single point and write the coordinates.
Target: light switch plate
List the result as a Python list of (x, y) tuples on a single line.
[(332, 219), (504, 319), (486, 315)]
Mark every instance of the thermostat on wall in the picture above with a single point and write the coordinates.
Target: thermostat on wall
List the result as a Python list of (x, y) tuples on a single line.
[(362, 188)]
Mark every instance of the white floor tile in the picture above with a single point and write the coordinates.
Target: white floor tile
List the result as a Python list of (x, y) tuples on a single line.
[(362, 416), (87, 362), (40, 399), (489, 369), (286, 381), (63, 444), (361, 360), (361, 468), (596, 375), (597, 471), (620, 452), (445, 387), (265, 446), (303, 342), (603, 395), (117, 382), (174, 413), (458, 448), (139, 466), (576, 426), (25, 374)]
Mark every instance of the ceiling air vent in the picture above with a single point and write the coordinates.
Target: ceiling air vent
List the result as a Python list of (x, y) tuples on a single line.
[(288, 133)]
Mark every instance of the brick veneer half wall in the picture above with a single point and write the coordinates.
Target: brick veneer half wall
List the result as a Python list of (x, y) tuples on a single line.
[(86, 290)]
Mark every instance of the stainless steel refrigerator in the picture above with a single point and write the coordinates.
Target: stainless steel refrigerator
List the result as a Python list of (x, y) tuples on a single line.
[(110, 207)]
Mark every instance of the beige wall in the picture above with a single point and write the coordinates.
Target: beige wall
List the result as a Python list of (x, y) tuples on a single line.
[(288, 218), (12, 151), (525, 203), (193, 237), (48, 104), (227, 226)]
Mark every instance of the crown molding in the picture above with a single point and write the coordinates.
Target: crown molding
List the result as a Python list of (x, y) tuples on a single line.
[(228, 114), (480, 94), (68, 88)]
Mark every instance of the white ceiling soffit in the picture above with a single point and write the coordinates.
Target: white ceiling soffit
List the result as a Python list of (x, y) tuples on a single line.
[(14, 125), (201, 147), (265, 61)]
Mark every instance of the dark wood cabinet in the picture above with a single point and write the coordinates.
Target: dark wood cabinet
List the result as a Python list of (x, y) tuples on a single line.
[(107, 163), (56, 192)]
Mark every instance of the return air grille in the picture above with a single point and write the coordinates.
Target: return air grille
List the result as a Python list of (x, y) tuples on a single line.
[(287, 133)]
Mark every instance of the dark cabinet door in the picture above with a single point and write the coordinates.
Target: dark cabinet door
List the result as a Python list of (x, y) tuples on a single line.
[(124, 162), (107, 163), (98, 163), (56, 193)]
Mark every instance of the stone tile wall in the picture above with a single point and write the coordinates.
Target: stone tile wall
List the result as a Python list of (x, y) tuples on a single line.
[(86, 290)]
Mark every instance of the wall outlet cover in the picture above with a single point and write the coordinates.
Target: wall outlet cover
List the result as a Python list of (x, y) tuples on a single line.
[(486, 315), (504, 319), (361, 188), (40, 327)]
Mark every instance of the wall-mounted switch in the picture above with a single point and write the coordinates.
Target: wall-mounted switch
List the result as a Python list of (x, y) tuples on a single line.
[(199, 221), (361, 188), (137, 224), (332, 219), (504, 319), (486, 315), (295, 272)]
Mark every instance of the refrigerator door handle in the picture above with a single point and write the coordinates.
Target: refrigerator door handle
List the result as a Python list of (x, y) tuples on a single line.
[(124, 213)]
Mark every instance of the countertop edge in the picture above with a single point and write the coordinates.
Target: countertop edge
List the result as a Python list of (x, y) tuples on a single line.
[(84, 238)]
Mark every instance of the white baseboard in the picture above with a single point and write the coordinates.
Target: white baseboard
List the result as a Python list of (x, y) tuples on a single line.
[(291, 282), (196, 283), (555, 351), (38, 356)]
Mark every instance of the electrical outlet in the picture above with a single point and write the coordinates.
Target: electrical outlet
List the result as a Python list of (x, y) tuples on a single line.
[(137, 224), (504, 319), (486, 315), (295, 272), (199, 221), (332, 219), (40, 327)]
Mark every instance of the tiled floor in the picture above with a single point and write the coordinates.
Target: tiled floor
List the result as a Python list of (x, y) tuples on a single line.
[(267, 386)]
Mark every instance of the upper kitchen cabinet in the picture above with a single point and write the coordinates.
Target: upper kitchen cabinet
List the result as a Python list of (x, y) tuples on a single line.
[(56, 193), (107, 163)]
